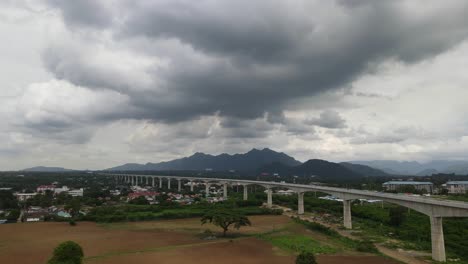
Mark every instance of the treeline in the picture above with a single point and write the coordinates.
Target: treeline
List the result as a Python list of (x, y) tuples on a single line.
[(121, 213)]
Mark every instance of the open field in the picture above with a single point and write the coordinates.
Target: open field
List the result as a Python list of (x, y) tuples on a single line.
[(169, 241)]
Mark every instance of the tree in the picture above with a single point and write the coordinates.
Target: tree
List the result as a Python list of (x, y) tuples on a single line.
[(68, 252), (74, 205), (7, 200), (306, 257), (397, 215), (225, 218), (139, 201)]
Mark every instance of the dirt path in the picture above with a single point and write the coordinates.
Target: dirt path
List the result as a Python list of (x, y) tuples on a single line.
[(408, 257)]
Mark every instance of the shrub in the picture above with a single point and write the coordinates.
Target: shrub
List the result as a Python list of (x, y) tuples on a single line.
[(366, 246), (67, 252), (306, 257)]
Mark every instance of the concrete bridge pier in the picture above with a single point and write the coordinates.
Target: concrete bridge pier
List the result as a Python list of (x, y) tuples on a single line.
[(168, 183), (269, 197), (191, 186), (147, 181), (160, 183), (300, 203), (437, 239), (347, 214), (245, 193), (154, 182), (225, 196), (179, 187), (207, 189)]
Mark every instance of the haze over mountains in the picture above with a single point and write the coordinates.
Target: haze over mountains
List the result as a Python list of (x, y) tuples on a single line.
[(416, 168), (47, 169)]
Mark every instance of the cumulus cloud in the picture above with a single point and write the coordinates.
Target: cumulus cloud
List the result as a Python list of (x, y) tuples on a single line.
[(161, 79), (244, 59), (328, 119)]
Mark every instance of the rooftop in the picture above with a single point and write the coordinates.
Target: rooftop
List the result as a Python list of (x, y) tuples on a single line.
[(407, 183), (457, 182)]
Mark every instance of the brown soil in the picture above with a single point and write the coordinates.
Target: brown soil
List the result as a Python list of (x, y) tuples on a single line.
[(171, 241)]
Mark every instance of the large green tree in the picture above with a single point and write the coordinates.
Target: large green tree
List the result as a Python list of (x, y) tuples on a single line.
[(225, 218), (68, 252)]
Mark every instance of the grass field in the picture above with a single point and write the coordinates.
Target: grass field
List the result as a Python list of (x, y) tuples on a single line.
[(270, 239)]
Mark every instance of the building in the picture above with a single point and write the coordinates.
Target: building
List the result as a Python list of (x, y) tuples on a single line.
[(285, 192), (76, 192), (398, 185), (147, 195), (61, 189), (457, 187), (44, 188), (24, 196)]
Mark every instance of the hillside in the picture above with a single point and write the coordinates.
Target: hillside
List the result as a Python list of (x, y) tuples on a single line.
[(364, 170), (321, 169), (249, 161)]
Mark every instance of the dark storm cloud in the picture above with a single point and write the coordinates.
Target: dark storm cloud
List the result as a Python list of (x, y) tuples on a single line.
[(252, 58), (83, 12)]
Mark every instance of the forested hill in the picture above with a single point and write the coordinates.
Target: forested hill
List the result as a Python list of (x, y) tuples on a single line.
[(321, 170)]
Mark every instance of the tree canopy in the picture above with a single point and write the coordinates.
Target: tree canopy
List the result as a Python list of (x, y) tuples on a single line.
[(225, 218), (68, 252), (306, 257)]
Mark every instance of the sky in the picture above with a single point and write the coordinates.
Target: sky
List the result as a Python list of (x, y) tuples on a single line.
[(94, 84)]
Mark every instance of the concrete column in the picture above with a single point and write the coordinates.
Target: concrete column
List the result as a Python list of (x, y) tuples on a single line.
[(300, 203), (191, 186), (154, 181), (347, 214), (269, 198), (207, 189), (160, 183), (245, 193), (147, 181), (437, 239), (168, 183), (179, 187), (225, 191)]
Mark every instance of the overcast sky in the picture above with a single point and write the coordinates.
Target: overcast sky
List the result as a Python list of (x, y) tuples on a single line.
[(94, 84)]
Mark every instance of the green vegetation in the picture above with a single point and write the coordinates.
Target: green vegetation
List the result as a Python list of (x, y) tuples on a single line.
[(296, 243), (224, 218), (122, 213), (378, 223), (67, 252), (7, 200), (306, 258)]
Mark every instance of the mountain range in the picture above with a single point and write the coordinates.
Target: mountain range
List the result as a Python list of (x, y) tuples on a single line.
[(258, 161), (47, 169), (458, 167), (249, 161)]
